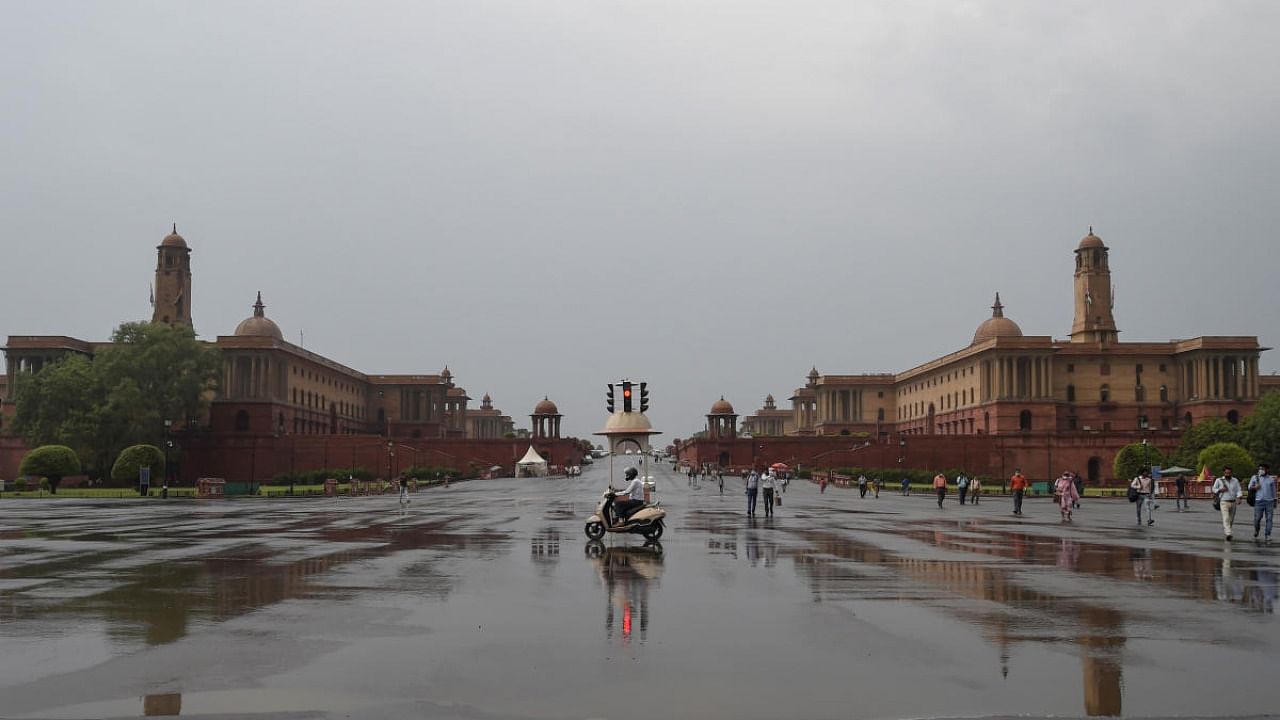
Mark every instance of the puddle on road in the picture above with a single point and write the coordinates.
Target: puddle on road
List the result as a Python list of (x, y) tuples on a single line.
[(158, 590)]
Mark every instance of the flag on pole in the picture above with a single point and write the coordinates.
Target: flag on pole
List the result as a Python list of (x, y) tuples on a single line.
[(1205, 475)]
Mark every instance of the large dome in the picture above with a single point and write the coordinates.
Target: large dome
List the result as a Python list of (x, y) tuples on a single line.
[(721, 407), (173, 239), (259, 325), (997, 325), (545, 407)]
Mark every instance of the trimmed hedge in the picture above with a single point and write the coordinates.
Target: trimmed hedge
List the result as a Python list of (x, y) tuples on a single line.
[(53, 462), (135, 457)]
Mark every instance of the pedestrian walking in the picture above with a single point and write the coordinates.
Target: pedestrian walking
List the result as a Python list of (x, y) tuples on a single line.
[(876, 484), (720, 480), (753, 486), (1065, 489), (1018, 483), (404, 489), (962, 486), (1182, 502), (1146, 488), (1079, 483), (975, 489), (768, 484), (1227, 490), (1262, 487), (940, 487), (862, 486), (822, 485), (906, 487)]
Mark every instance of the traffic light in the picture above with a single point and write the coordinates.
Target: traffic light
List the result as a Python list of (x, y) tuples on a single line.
[(644, 397), (626, 396), (609, 402)]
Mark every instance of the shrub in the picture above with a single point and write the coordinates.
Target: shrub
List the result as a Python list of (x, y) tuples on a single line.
[(1220, 455), (51, 461), (131, 461), (1133, 459)]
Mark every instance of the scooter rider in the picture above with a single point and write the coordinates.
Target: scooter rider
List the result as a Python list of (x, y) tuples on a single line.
[(632, 497)]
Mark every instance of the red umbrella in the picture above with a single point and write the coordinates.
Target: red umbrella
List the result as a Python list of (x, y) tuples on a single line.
[(779, 466)]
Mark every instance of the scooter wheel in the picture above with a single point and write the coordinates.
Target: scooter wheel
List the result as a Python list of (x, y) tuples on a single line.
[(654, 532), (595, 530)]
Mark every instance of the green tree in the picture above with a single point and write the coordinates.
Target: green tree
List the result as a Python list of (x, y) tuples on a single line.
[(1262, 430), (135, 457), (1198, 437), (53, 462), (1221, 455), (122, 397), (1133, 459)]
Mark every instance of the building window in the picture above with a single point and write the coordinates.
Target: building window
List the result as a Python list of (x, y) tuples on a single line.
[(1071, 367), (1137, 369), (1073, 423), (242, 421), (880, 394), (1071, 393), (1233, 417), (1164, 423), (1142, 422), (1164, 393), (1104, 393), (1164, 368), (1105, 369), (1106, 426), (880, 415), (1140, 394), (1024, 420)]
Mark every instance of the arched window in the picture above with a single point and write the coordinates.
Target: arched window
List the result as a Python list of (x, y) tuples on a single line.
[(1140, 394), (1164, 393), (1024, 420), (1186, 421), (242, 421), (1095, 469), (1104, 393), (1071, 393), (880, 415)]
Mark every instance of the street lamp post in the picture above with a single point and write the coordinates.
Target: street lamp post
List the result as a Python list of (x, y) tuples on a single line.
[(391, 453), (168, 443)]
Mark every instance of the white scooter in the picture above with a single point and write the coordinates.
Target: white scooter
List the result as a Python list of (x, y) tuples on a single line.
[(646, 521)]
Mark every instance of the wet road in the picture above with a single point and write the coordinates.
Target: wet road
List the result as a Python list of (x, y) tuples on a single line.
[(485, 600)]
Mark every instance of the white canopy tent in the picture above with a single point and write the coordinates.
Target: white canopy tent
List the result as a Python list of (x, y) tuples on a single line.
[(531, 465)]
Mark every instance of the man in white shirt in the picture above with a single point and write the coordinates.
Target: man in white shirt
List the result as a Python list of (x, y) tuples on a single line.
[(632, 497), (768, 483), (1227, 488)]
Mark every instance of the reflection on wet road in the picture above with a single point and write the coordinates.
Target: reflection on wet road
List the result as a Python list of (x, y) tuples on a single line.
[(836, 607)]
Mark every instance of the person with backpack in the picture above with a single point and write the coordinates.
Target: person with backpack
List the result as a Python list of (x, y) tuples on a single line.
[(1182, 501), (940, 487), (962, 485), (862, 486), (975, 489), (1262, 487), (1146, 488)]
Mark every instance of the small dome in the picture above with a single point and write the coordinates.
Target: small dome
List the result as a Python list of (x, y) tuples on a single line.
[(486, 398), (997, 325), (721, 407), (1090, 241), (259, 325), (173, 239), (445, 374), (545, 407)]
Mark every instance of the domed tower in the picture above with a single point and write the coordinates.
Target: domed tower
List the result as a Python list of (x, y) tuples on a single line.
[(171, 299), (258, 324), (1094, 321), (997, 325), (546, 419), (722, 421)]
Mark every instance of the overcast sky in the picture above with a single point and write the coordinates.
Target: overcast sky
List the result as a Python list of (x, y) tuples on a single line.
[(711, 196)]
